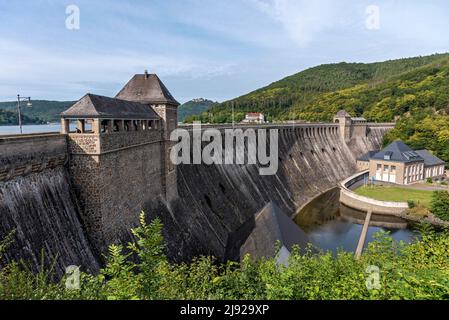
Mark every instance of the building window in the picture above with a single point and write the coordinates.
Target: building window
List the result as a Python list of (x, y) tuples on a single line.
[(379, 167)]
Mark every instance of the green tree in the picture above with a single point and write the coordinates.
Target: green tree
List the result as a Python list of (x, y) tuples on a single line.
[(440, 204)]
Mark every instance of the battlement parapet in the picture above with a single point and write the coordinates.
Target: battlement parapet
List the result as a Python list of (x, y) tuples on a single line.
[(98, 144)]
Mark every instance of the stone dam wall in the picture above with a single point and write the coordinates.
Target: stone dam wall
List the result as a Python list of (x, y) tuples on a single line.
[(214, 213), (113, 179), (38, 203)]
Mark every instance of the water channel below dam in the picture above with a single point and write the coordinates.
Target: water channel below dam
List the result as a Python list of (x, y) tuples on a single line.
[(331, 226)]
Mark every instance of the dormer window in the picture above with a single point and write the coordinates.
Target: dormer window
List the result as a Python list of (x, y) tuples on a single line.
[(388, 155)]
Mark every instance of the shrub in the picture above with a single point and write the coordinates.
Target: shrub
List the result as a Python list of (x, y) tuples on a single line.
[(419, 211), (6, 242), (411, 204), (415, 271), (440, 204), (429, 180)]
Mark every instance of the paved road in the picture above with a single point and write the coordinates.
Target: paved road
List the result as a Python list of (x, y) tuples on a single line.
[(419, 186), (427, 187)]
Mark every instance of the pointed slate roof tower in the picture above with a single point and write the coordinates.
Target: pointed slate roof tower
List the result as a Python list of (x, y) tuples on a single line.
[(147, 89)]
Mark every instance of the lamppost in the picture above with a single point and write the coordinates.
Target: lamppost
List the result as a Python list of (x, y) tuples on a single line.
[(29, 105)]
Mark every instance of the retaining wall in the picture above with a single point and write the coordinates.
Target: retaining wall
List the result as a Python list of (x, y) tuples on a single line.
[(355, 201)]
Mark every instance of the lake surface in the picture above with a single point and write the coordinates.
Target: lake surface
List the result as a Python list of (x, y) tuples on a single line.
[(332, 226), (56, 127)]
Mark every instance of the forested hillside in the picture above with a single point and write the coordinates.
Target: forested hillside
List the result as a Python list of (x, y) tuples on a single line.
[(11, 118), (317, 93), (414, 92), (42, 111), (399, 96), (193, 107), (48, 111)]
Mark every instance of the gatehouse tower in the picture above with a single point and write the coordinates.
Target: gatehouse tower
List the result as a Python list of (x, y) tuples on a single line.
[(119, 156)]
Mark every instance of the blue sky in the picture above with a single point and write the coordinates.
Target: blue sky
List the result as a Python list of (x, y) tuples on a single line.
[(201, 48)]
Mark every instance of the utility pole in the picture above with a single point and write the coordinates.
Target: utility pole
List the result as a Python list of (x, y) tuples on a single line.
[(19, 112), (232, 115)]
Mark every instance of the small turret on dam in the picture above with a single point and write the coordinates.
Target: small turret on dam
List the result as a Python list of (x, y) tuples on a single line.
[(75, 193)]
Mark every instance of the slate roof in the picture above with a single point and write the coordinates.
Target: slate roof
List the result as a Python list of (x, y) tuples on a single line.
[(343, 114), (147, 88), (367, 156), (398, 151), (429, 159), (272, 225), (94, 106)]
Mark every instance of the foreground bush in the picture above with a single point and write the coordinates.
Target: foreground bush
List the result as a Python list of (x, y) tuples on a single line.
[(387, 270), (440, 204)]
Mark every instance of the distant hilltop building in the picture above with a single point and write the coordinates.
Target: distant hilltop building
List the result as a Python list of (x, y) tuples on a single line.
[(400, 164), (199, 100), (254, 117)]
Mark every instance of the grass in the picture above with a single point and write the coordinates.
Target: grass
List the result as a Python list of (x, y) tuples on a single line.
[(396, 194)]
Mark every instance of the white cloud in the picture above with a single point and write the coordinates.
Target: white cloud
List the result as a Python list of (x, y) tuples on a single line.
[(303, 19), (76, 71)]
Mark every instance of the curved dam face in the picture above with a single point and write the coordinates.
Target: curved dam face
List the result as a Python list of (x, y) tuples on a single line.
[(42, 210), (37, 202), (213, 215), (215, 212)]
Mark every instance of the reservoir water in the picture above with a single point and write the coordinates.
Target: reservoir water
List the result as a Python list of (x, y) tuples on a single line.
[(332, 226), (27, 129)]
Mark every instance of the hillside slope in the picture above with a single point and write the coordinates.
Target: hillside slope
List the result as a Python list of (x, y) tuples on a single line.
[(42, 110), (194, 107), (10, 118), (48, 111), (303, 95), (402, 95)]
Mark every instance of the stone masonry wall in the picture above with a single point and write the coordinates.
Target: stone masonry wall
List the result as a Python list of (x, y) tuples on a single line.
[(118, 140), (114, 185), (38, 203), (215, 211), (83, 143)]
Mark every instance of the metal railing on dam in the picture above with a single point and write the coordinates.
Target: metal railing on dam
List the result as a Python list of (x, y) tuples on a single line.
[(288, 125)]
